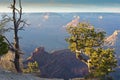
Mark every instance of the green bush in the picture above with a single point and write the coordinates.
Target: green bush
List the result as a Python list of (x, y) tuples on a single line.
[(4, 47), (32, 68)]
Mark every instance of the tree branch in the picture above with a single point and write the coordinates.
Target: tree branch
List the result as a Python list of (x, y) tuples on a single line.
[(20, 14)]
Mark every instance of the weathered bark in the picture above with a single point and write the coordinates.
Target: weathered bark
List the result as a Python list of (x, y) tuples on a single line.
[(16, 38), (17, 54), (81, 58), (17, 63)]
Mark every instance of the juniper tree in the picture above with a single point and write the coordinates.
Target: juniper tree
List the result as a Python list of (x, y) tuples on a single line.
[(85, 39)]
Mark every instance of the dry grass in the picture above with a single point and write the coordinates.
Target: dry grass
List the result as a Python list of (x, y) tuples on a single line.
[(5, 62)]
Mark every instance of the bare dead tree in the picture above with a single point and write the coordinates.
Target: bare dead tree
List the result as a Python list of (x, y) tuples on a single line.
[(18, 24)]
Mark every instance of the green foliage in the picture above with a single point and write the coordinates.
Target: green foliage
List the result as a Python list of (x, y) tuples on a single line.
[(84, 36), (102, 62), (32, 68), (4, 47), (85, 39)]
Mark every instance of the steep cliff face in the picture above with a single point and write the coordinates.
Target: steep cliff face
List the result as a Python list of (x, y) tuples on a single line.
[(63, 63), (113, 39), (59, 64)]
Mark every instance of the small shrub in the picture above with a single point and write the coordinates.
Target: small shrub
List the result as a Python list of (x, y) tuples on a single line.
[(4, 47), (32, 68)]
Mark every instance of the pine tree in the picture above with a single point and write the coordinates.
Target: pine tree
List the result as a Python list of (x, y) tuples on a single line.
[(85, 39)]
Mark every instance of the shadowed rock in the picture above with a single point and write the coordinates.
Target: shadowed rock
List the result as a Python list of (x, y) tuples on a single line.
[(58, 64)]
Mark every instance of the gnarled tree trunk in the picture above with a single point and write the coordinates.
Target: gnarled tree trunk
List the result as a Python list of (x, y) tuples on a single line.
[(16, 22)]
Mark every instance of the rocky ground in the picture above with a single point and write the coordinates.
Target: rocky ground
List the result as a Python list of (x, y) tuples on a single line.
[(7, 75)]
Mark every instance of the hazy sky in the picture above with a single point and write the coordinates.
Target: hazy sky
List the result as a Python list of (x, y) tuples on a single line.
[(65, 5)]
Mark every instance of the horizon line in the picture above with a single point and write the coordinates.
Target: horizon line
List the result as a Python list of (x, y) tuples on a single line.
[(65, 12)]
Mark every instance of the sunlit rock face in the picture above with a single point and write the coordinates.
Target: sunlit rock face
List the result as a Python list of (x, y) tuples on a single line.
[(112, 39), (58, 64)]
